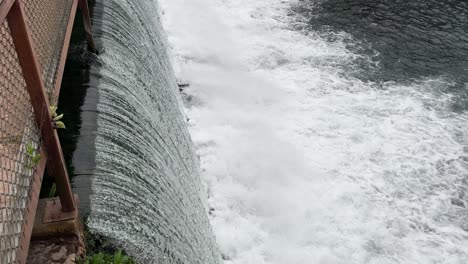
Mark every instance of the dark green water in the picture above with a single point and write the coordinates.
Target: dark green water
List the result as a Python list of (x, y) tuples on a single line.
[(400, 39)]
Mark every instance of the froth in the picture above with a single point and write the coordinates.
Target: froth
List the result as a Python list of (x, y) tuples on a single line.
[(305, 164)]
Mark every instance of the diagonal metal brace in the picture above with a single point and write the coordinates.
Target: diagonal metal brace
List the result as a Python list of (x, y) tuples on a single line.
[(39, 100), (83, 4)]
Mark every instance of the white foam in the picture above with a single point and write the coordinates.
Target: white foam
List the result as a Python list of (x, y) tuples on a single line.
[(304, 164)]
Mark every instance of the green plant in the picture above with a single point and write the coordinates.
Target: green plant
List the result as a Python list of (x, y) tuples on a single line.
[(53, 190), (100, 250), (120, 258), (55, 117), (98, 259), (34, 155), (81, 261), (104, 258)]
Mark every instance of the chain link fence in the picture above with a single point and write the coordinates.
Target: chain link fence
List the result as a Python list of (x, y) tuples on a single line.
[(47, 21), (20, 141), (19, 147)]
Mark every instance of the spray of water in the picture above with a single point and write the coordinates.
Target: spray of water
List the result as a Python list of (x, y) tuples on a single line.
[(306, 164)]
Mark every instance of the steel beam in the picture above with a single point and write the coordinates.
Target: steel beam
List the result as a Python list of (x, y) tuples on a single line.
[(22, 252), (63, 55), (35, 86), (87, 24)]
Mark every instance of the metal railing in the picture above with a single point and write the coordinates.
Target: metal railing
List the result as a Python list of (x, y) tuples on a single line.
[(34, 39)]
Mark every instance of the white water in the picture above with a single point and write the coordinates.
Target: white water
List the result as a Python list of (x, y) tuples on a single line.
[(304, 164), (146, 183)]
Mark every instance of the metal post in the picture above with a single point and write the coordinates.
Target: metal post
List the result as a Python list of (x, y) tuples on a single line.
[(83, 4), (22, 253), (63, 56), (35, 85)]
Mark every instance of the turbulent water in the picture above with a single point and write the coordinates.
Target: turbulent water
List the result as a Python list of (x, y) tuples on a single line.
[(329, 131), (147, 192)]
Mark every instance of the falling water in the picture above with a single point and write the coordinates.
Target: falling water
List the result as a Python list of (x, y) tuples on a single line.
[(320, 139), (147, 193)]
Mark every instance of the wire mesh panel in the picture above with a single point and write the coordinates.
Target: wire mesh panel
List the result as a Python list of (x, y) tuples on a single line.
[(47, 21), (19, 148)]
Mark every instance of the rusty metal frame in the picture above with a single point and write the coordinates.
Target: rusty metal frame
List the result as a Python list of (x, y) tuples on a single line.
[(64, 53), (87, 24), (53, 211), (51, 145), (39, 100), (51, 151), (22, 253)]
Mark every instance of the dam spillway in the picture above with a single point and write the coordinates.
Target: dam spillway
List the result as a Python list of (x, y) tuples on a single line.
[(314, 149), (147, 192)]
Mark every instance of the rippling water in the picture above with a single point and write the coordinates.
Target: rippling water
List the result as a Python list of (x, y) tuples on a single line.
[(404, 39)]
